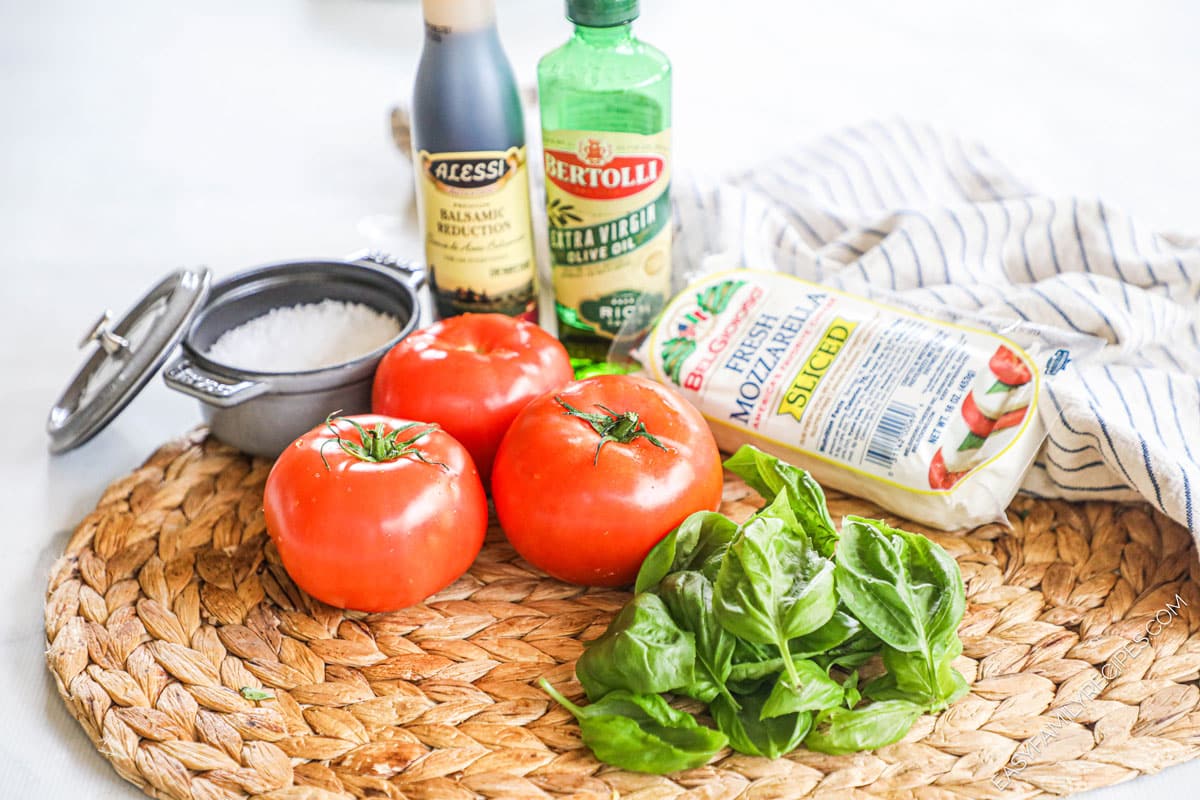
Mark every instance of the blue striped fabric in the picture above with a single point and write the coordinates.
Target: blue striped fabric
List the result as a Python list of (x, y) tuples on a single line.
[(902, 211)]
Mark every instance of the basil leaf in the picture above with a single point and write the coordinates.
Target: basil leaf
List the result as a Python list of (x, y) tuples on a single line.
[(816, 691), (750, 653), (747, 676), (780, 508), (751, 664), (908, 592), (773, 586), (750, 734), (642, 733), (903, 587), (916, 677), (698, 538), (972, 441), (932, 677), (841, 730), (854, 652), (643, 652), (688, 596), (850, 694), (841, 629), (769, 476)]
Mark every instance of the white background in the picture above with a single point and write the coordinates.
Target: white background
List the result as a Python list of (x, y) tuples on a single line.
[(136, 137)]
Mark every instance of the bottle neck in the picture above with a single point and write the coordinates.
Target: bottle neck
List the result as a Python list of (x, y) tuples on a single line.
[(439, 34), (605, 37), (458, 16)]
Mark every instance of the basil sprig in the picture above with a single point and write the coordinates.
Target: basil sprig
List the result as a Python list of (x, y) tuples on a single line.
[(768, 623), (640, 732)]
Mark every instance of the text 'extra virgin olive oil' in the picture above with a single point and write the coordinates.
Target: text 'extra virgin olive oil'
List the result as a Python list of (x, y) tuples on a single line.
[(606, 135), (470, 163)]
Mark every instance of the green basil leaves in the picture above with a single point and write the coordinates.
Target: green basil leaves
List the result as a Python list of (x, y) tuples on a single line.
[(749, 733), (697, 544), (842, 730), (773, 586), (768, 623), (688, 597), (909, 593), (643, 651), (641, 732), (771, 477), (899, 584)]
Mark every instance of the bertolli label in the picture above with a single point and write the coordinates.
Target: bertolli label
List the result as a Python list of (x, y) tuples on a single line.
[(608, 210)]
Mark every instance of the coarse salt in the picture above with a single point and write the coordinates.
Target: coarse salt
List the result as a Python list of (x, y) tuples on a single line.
[(304, 337)]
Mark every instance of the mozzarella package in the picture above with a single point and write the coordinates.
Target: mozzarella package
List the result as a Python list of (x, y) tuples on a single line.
[(935, 420)]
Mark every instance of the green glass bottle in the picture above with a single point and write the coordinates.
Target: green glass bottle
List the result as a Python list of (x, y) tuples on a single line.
[(606, 136)]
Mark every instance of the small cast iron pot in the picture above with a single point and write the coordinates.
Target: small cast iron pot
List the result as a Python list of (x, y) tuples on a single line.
[(263, 412)]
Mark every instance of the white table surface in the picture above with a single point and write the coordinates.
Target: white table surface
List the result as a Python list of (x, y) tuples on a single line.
[(137, 136)]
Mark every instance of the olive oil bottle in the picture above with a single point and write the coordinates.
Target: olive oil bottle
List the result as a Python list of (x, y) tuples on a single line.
[(471, 171), (606, 136)]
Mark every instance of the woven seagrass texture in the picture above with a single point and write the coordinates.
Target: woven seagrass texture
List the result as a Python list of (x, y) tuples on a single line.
[(170, 599)]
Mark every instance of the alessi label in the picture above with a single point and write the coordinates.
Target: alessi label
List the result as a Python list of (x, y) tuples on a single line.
[(478, 233), (608, 209), (462, 175)]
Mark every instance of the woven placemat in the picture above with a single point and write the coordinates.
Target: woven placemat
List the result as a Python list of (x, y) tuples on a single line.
[(170, 599)]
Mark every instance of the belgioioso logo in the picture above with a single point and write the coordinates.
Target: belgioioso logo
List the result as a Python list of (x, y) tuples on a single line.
[(470, 173), (690, 322)]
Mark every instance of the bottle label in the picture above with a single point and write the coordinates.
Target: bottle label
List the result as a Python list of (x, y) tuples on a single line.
[(478, 236), (609, 218)]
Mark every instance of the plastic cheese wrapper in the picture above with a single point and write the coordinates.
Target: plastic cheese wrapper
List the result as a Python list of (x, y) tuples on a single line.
[(935, 420)]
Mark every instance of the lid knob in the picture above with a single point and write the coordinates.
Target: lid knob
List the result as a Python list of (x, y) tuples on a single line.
[(102, 333)]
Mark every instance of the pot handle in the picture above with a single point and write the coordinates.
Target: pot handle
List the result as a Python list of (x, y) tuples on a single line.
[(216, 390), (413, 272)]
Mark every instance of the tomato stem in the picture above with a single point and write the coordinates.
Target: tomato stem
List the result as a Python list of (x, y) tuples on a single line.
[(621, 428), (378, 444)]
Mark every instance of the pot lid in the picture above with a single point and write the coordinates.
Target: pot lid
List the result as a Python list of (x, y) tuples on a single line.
[(126, 356)]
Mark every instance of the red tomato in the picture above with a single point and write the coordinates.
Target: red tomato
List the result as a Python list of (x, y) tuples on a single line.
[(939, 478), (979, 424), (587, 508), (471, 374), (381, 529), (1008, 367), (1011, 419)]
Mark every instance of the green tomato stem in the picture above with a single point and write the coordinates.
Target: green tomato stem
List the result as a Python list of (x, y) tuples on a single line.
[(379, 445), (621, 428)]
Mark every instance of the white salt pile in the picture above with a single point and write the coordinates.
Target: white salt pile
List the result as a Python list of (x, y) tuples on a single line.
[(304, 337)]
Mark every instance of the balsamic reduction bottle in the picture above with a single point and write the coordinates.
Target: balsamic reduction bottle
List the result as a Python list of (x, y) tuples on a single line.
[(470, 163)]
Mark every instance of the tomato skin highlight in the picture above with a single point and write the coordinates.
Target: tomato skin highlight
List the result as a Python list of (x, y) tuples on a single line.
[(471, 374), (593, 523), (374, 536), (1008, 367)]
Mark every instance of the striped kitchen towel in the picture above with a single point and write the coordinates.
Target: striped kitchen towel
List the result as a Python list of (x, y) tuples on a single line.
[(895, 210)]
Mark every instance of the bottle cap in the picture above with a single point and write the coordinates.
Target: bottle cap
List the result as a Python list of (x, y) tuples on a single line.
[(602, 13)]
